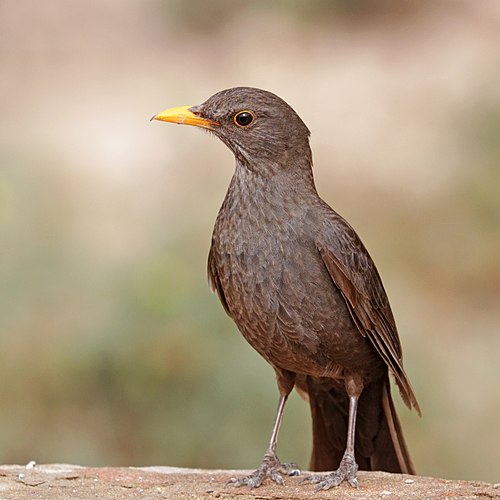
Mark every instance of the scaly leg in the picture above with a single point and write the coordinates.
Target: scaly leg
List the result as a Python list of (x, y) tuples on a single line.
[(270, 467), (348, 467)]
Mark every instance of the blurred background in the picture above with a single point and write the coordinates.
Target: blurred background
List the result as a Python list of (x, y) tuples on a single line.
[(112, 349)]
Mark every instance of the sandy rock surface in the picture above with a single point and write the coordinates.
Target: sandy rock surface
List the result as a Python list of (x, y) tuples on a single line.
[(59, 481)]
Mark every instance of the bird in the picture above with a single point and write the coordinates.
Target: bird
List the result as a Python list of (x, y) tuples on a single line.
[(304, 292)]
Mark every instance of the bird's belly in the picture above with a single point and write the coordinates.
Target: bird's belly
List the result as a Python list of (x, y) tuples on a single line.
[(288, 308)]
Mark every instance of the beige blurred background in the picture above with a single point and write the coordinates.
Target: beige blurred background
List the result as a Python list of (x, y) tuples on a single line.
[(112, 349)]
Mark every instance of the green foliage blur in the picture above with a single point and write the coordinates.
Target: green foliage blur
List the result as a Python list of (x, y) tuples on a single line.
[(112, 349)]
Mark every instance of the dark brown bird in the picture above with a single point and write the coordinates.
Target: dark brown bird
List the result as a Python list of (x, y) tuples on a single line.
[(303, 291)]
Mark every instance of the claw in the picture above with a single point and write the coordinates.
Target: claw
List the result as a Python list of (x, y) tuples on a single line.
[(292, 470), (346, 472), (271, 468)]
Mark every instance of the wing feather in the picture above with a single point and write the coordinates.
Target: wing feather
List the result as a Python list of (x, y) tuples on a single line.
[(214, 280), (355, 275)]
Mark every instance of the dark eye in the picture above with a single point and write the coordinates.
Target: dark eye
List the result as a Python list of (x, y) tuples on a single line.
[(244, 118)]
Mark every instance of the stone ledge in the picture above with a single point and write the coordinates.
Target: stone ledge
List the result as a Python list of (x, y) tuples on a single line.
[(59, 481)]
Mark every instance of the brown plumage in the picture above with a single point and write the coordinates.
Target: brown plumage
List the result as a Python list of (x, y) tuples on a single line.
[(303, 291)]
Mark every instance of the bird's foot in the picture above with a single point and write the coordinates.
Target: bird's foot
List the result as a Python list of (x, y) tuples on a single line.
[(271, 468), (346, 472)]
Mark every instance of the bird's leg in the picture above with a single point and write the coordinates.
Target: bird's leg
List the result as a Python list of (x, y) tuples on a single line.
[(348, 467), (270, 467)]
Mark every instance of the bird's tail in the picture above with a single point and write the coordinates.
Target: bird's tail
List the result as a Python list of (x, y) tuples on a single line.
[(379, 441)]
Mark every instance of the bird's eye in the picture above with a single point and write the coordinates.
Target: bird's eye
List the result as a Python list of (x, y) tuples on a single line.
[(244, 118)]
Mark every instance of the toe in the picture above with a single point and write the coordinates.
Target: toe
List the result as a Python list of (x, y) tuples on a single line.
[(276, 477), (289, 469), (331, 481), (254, 482), (270, 468), (312, 478), (353, 481)]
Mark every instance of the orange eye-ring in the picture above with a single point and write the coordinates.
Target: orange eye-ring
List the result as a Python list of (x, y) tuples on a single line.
[(244, 118)]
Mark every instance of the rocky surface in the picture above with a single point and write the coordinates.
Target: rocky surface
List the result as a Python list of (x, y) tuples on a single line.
[(58, 481)]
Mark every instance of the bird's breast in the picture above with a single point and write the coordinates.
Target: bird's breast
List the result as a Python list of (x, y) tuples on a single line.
[(272, 279), (274, 282)]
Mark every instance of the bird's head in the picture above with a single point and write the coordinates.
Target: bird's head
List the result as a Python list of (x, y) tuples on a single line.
[(261, 129)]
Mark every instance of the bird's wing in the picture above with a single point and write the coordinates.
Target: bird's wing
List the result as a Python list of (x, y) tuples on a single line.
[(355, 275), (214, 280)]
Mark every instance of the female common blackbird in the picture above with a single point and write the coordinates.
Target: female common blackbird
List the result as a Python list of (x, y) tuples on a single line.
[(303, 291)]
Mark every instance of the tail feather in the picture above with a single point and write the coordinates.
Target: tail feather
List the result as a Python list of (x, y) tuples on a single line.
[(395, 434), (379, 442), (329, 420)]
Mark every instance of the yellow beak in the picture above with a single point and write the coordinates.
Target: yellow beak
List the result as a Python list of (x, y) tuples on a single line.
[(184, 116)]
